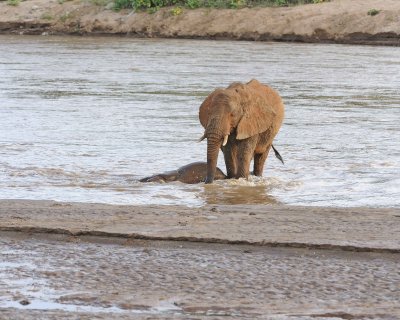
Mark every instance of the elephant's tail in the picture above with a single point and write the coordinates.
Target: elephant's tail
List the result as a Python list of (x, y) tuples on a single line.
[(277, 154)]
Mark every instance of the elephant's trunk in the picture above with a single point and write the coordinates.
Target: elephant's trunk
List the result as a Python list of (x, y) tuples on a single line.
[(213, 145)]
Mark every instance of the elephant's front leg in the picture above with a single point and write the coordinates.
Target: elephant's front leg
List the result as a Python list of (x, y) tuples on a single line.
[(259, 161), (245, 151), (230, 155)]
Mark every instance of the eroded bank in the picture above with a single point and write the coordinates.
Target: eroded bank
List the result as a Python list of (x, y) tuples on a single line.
[(338, 21)]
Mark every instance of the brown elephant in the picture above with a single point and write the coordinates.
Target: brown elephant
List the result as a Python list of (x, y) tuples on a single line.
[(191, 173), (242, 120)]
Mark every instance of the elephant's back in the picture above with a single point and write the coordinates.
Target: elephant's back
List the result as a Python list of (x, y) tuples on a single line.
[(193, 172), (196, 172), (269, 94)]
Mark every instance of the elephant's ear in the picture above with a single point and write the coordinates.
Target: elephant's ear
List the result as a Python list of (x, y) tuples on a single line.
[(205, 108), (258, 117), (255, 122)]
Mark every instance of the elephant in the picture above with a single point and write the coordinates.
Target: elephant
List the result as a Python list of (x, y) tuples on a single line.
[(191, 173), (242, 120)]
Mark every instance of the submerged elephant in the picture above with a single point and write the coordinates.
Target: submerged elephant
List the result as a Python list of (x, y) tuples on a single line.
[(242, 120), (195, 172)]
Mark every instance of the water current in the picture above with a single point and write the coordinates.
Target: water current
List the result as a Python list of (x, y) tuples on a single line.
[(82, 119)]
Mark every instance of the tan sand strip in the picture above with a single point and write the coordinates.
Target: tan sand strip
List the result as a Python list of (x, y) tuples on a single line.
[(350, 229)]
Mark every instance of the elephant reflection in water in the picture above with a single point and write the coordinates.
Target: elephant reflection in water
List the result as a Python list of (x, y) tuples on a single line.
[(242, 120), (240, 193)]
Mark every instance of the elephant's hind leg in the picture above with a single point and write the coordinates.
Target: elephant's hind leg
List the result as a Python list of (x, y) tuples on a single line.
[(259, 161)]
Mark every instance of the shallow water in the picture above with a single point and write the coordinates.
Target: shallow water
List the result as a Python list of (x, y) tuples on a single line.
[(82, 119)]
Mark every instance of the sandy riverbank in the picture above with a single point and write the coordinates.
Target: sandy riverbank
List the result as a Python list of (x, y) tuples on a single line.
[(76, 260), (357, 229), (339, 21), (60, 277)]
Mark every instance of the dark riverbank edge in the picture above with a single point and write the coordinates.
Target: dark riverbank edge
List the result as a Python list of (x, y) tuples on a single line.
[(380, 39), (340, 21)]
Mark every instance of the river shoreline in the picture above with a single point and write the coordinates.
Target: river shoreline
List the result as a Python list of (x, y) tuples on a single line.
[(338, 21), (175, 262), (259, 225)]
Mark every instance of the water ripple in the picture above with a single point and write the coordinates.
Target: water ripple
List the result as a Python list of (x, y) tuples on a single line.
[(82, 119)]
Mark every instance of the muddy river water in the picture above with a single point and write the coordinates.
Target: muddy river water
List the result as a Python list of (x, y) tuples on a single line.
[(82, 119)]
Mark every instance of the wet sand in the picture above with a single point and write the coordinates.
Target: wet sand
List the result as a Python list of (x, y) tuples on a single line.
[(72, 260)]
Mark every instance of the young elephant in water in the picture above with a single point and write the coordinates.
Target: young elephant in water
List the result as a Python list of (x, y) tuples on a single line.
[(195, 172)]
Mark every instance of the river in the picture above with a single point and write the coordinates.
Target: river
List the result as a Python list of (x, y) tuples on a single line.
[(82, 119)]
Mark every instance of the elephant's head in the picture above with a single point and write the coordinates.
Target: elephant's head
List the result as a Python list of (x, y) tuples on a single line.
[(233, 111)]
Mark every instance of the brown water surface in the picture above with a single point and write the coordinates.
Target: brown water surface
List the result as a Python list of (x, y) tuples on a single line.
[(82, 119)]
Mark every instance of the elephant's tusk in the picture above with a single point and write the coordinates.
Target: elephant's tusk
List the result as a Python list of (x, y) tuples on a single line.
[(225, 140), (202, 138)]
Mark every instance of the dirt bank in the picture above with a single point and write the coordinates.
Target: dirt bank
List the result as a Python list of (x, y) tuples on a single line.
[(355, 229), (339, 21)]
